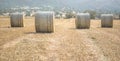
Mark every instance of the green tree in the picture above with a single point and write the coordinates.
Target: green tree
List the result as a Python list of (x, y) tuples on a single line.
[(92, 13), (70, 15)]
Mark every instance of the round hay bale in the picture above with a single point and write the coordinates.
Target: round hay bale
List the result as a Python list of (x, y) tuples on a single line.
[(16, 19), (82, 20), (44, 21), (107, 20)]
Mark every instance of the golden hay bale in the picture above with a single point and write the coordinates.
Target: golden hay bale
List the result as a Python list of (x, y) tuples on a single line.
[(44, 21), (107, 20), (16, 19), (82, 20)]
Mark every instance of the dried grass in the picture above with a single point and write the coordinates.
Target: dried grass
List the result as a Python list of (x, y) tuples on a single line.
[(82, 20), (44, 22), (16, 19), (107, 20)]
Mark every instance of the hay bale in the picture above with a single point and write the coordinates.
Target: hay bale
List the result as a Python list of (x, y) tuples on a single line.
[(44, 21), (82, 20), (107, 20), (16, 19)]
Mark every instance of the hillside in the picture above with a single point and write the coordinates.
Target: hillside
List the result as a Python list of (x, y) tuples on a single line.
[(77, 4)]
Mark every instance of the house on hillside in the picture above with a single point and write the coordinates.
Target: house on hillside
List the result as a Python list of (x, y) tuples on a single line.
[(63, 15), (58, 16), (6, 14), (116, 16)]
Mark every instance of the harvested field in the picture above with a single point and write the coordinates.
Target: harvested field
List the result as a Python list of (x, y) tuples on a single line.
[(66, 44)]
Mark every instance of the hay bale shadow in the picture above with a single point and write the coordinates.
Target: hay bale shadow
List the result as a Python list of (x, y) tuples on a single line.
[(79, 28), (38, 32), (107, 27), (6, 27)]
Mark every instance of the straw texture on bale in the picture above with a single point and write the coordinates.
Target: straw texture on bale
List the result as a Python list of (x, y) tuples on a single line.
[(16, 19), (82, 20), (44, 22), (107, 20)]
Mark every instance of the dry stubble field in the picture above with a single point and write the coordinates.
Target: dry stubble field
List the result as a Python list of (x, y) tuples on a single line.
[(65, 44)]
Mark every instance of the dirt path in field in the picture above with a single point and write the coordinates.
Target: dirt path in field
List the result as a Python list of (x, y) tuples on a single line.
[(65, 44), (107, 39)]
